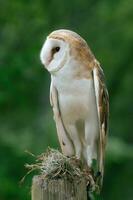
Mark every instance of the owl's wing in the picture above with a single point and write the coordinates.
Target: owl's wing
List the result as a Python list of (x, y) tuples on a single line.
[(65, 142), (102, 101)]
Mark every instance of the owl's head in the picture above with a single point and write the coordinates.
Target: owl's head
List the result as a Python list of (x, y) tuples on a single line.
[(61, 46)]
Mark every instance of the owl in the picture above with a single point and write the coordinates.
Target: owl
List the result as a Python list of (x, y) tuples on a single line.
[(78, 96)]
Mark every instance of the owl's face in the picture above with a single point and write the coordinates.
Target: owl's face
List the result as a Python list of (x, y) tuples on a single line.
[(54, 54), (61, 48)]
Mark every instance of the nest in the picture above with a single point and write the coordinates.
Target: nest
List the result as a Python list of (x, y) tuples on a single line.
[(54, 165)]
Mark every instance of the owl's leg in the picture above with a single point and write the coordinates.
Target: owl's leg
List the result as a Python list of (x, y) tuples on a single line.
[(72, 130), (90, 149), (87, 153)]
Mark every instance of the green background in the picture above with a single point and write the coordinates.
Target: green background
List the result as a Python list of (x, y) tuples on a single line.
[(26, 120)]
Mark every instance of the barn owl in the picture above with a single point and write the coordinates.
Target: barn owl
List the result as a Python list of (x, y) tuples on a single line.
[(78, 96)]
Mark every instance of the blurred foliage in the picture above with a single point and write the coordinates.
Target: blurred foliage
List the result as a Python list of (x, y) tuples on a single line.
[(26, 120)]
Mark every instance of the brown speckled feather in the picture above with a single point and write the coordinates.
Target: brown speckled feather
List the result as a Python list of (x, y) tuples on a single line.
[(102, 100)]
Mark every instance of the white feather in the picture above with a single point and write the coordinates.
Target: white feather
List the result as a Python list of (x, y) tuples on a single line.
[(77, 104)]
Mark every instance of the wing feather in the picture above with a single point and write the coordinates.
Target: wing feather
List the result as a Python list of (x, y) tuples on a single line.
[(102, 101), (64, 140)]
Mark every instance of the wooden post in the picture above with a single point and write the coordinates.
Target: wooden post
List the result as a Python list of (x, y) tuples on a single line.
[(58, 189)]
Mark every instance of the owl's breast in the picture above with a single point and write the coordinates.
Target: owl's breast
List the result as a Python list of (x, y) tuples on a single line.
[(72, 107), (77, 100)]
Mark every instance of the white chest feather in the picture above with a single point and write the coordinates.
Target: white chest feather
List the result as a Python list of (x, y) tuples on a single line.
[(76, 97), (77, 104)]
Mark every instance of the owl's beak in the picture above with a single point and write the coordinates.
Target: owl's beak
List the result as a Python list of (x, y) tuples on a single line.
[(46, 62)]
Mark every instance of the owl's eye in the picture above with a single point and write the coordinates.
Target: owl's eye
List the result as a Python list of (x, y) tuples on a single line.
[(55, 50)]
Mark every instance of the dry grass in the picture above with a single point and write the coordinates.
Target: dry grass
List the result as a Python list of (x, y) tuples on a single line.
[(53, 165)]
